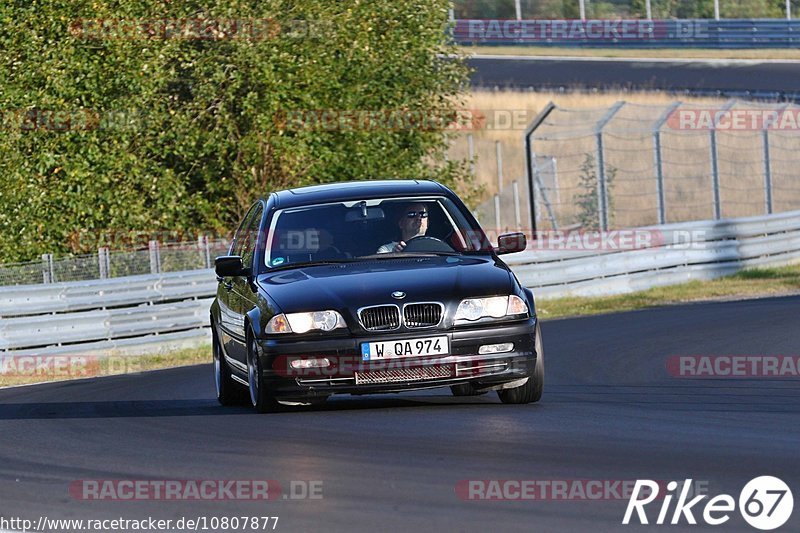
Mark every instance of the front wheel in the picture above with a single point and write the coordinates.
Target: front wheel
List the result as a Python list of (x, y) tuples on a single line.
[(260, 398), (531, 391)]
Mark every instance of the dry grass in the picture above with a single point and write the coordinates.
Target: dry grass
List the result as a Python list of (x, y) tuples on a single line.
[(629, 152), (688, 53)]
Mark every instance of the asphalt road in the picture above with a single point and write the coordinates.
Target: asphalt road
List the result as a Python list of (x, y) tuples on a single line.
[(391, 463), (767, 79)]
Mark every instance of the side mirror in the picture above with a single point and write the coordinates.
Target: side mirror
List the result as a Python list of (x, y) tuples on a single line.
[(510, 243), (229, 266)]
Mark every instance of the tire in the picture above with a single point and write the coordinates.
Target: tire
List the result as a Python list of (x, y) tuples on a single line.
[(464, 389), (260, 398), (228, 391), (531, 391)]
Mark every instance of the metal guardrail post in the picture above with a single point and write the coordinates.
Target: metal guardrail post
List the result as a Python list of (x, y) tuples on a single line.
[(602, 185), (155, 257), (662, 204)]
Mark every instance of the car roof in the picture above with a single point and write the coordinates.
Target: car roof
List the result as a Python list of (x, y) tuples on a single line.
[(352, 190)]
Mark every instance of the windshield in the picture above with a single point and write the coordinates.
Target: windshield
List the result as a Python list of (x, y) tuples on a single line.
[(374, 229)]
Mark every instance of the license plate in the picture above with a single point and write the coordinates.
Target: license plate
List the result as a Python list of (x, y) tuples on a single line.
[(373, 351)]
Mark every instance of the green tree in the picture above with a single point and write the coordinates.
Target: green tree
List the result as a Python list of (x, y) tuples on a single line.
[(184, 132), (587, 200)]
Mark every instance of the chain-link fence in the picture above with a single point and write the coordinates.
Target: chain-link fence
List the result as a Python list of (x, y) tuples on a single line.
[(157, 258), (632, 165)]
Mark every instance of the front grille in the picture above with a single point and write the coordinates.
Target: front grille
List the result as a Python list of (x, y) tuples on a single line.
[(403, 374), (380, 318), (422, 315)]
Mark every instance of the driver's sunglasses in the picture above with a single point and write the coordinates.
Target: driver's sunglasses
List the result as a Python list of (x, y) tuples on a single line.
[(415, 214)]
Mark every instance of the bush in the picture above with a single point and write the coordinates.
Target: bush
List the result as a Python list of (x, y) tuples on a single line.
[(180, 133)]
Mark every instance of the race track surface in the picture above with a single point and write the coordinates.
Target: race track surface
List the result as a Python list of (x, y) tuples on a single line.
[(391, 463), (767, 79)]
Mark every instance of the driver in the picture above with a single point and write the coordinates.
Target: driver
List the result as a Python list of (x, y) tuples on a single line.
[(413, 222)]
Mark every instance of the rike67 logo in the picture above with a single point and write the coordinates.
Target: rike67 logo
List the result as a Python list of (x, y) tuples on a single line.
[(765, 503)]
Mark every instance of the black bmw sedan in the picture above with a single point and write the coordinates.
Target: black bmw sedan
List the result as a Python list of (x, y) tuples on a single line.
[(370, 287)]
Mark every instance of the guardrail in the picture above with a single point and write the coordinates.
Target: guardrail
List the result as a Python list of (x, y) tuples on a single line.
[(123, 314), (635, 33), (680, 252), (140, 313)]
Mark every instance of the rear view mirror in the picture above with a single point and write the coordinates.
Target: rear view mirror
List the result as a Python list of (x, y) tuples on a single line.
[(362, 213), (510, 243), (229, 266)]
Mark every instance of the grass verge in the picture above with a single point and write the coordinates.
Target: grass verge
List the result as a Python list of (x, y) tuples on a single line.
[(750, 283), (683, 53), (23, 371)]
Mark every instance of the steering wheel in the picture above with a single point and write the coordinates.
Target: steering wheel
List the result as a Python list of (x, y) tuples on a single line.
[(425, 243)]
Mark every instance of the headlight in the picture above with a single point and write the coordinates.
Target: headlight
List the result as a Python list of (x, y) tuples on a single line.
[(472, 309), (304, 322)]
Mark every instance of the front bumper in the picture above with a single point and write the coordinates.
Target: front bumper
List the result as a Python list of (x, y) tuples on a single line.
[(348, 374)]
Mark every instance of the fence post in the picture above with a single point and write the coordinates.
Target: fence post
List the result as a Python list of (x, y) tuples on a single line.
[(662, 203), (648, 10), (582, 7), (539, 186), (47, 269), (155, 257), (715, 175), (517, 217), (715, 160), (767, 172), (529, 160), (102, 261), (602, 186), (205, 246), (602, 190), (471, 153), (497, 223), (498, 151), (518, 8)]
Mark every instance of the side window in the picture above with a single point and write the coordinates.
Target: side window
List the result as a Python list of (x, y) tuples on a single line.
[(241, 233), (250, 237)]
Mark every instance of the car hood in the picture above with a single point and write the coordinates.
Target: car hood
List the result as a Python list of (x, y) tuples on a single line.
[(349, 286)]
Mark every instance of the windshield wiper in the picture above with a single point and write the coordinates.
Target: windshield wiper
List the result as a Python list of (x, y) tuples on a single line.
[(397, 255), (311, 263)]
